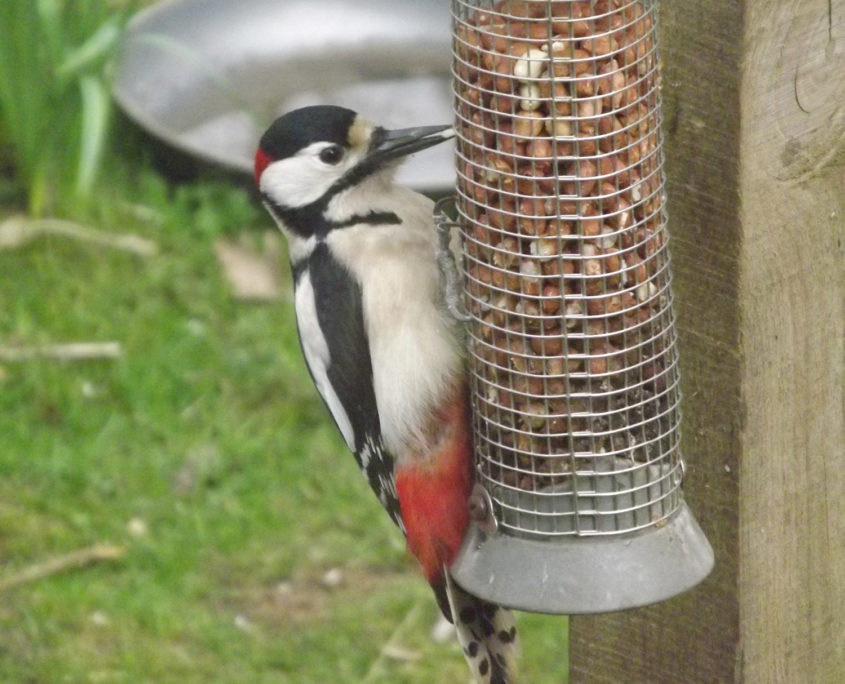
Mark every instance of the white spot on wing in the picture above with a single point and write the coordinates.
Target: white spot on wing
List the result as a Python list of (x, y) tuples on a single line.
[(299, 248), (317, 355), (366, 453)]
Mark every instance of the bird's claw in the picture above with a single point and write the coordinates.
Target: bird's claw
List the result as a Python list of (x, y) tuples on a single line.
[(450, 281)]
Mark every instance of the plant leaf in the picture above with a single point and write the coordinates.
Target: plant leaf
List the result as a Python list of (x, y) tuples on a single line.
[(96, 107), (98, 46)]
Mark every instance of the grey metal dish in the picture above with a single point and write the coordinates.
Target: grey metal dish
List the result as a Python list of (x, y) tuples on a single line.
[(207, 76)]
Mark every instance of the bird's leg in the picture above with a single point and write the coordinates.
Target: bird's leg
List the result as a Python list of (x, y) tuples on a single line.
[(450, 281)]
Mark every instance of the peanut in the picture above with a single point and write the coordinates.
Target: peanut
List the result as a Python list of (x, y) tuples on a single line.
[(565, 246)]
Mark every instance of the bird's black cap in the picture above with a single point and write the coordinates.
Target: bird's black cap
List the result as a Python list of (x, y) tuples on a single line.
[(377, 146), (297, 129)]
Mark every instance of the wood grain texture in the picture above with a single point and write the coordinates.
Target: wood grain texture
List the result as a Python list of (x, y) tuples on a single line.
[(694, 637), (792, 286), (754, 109)]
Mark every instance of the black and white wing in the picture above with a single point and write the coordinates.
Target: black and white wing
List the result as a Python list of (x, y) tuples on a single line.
[(330, 323)]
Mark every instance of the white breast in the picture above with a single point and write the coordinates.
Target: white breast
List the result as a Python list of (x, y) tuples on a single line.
[(413, 346)]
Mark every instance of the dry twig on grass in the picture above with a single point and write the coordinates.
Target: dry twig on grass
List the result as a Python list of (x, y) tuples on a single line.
[(392, 649), (18, 230), (71, 351), (69, 561)]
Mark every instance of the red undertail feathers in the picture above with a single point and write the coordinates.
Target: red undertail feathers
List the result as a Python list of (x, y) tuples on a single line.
[(433, 491)]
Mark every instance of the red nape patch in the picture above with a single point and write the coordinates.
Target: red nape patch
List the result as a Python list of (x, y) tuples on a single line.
[(262, 159)]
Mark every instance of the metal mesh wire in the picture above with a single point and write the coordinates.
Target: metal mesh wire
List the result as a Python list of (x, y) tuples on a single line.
[(561, 201)]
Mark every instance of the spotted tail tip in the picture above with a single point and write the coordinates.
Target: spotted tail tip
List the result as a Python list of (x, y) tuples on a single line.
[(487, 634)]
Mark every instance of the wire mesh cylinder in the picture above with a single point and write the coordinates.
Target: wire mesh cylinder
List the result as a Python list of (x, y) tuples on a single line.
[(561, 199)]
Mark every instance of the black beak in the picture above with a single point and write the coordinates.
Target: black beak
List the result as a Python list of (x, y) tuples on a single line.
[(388, 145)]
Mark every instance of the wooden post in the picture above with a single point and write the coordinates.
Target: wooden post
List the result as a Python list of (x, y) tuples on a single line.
[(754, 110)]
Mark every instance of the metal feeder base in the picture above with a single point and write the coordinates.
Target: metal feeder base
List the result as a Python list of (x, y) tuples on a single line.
[(587, 574)]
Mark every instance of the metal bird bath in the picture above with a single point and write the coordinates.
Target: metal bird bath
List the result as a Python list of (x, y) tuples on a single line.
[(208, 76)]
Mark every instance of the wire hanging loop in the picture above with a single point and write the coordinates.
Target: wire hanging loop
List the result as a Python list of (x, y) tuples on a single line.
[(450, 280)]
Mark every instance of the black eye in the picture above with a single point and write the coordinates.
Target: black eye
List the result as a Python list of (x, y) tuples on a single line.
[(331, 154)]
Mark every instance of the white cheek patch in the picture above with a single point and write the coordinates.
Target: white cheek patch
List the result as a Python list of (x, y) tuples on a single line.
[(302, 179), (317, 356), (296, 181)]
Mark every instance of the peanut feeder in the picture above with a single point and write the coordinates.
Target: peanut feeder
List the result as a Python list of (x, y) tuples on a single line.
[(573, 355)]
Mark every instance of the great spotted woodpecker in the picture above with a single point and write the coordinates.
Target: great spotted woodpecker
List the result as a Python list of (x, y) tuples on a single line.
[(381, 347)]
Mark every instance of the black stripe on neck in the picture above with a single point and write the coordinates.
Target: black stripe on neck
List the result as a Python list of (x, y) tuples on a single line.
[(310, 219), (373, 218), (299, 220)]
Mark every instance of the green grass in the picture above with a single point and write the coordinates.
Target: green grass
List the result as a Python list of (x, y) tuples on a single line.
[(208, 430), (54, 95), (203, 451)]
